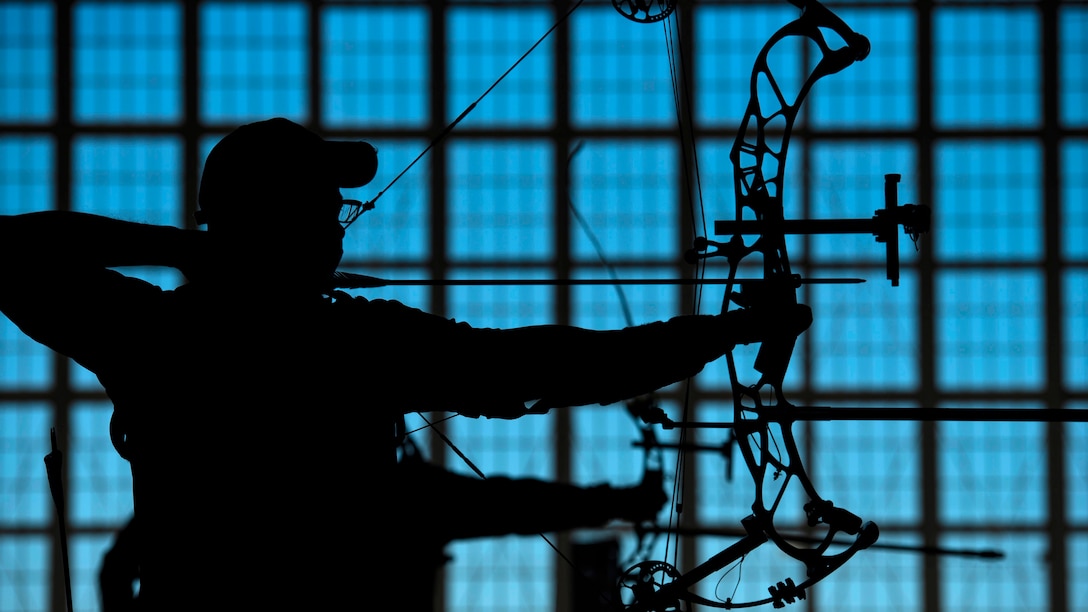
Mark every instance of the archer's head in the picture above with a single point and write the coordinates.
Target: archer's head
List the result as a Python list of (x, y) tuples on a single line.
[(270, 193)]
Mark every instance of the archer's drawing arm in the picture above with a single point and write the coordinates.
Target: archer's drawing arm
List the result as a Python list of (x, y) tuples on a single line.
[(38, 241), (57, 285)]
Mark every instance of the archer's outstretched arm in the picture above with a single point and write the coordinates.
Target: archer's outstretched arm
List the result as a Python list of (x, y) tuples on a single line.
[(502, 372), (602, 367)]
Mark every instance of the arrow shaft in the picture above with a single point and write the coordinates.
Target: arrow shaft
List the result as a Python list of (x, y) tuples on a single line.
[(826, 413), (347, 280)]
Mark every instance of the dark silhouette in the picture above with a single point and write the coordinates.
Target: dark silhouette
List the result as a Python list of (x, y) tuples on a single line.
[(256, 404), (471, 508), (497, 506), (479, 506), (120, 571)]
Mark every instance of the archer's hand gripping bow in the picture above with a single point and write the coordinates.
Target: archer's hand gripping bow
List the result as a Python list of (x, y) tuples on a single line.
[(758, 157)]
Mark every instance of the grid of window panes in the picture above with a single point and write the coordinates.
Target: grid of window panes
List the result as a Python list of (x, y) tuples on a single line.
[(573, 166)]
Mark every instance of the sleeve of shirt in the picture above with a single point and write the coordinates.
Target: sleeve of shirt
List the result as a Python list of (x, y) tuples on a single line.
[(90, 314), (442, 364)]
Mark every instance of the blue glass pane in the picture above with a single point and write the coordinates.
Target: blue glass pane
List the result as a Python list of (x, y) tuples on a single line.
[(1076, 471), (26, 62), (26, 185), (253, 62), (992, 472), (1075, 329), (1073, 50), (501, 200), (627, 193), (501, 574), (1074, 199), (870, 468), (603, 440), (127, 62), (1020, 581), (880, 90), (986, 67), (24, 364), (26, 174), (990, 330), (101, 489), (131, 178), (378, 78), (24, 483), (988, 201), (1078, 564), (865, 336), (482, 45), (620, 72), (27, 563), (612, 306)]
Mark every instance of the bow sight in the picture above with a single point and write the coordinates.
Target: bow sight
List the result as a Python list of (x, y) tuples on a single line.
[(884, 225)]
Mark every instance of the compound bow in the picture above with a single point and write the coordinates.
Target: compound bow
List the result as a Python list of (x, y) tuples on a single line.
[(759, 427), (762, 428)]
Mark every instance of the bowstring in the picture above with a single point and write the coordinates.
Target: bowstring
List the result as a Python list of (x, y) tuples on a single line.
[(692, 191), (682, 101)]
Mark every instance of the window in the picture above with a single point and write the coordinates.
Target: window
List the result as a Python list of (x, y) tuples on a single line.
[(573, 165)]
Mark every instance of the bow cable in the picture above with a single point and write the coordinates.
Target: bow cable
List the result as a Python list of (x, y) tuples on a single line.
[(369, 205)]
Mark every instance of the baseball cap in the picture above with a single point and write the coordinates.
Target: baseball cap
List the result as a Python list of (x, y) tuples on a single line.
[(279, 156)]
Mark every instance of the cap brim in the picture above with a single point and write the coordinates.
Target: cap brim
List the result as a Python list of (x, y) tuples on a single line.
[(352, 163)]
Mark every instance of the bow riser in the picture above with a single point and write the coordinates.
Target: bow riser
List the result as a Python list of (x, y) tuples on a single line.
[(762, 431), (761, 428)]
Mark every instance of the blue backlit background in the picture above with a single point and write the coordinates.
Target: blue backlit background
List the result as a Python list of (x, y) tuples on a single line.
[(982, 107)]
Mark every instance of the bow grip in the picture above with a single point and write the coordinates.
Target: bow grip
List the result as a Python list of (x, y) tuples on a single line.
[(773, 358), (774, 296), (839, 519)]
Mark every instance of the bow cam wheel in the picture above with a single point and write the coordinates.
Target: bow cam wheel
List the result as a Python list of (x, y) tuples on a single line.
[(641, 586)]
